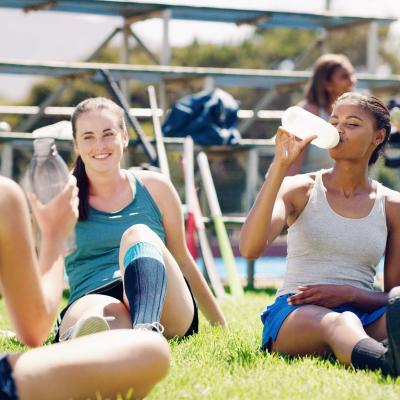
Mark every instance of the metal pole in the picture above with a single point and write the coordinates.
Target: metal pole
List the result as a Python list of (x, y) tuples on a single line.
[(165, 59), (265, 100), (143, 46), (26, 125), (372, 47), (124, 57), (120, 99), (7, 160), (251, 187)]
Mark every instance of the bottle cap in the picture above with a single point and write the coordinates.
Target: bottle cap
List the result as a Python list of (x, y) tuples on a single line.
[(43, 147)]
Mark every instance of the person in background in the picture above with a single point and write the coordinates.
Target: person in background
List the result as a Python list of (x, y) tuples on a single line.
[(333, 75), (341, 222), (109, 362), (131, 267)]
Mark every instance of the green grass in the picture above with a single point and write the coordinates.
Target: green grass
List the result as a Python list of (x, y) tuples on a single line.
[(217, 364)]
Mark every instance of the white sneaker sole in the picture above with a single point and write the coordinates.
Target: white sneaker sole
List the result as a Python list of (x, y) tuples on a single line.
[(87, 326)]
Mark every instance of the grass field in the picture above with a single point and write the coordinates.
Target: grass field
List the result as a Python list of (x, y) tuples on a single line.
[(218, 364)]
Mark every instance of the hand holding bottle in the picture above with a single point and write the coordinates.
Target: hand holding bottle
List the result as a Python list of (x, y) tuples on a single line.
[(49, 176), (57, 218), (288, 147)]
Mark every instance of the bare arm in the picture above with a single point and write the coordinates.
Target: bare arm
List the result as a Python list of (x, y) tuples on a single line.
[(328, 295), (32, 289), (392, 253), (170, 205), (272, 207), (372, 300)]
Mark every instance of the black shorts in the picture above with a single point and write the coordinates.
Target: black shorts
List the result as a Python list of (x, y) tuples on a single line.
[(8, 390), (115, 289)]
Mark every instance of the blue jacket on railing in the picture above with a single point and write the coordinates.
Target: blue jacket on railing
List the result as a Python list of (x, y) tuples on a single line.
[(209, 117)]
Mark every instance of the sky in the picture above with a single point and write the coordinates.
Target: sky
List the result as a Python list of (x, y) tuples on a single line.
[(45, 36)]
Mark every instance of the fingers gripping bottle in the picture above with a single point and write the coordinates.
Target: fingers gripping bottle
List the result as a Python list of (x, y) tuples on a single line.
[(48, 176), (301, 123)]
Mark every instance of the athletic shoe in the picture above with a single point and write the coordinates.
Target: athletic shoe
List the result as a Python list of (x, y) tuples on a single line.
[(86, 326), (154, 326), (393, 331)]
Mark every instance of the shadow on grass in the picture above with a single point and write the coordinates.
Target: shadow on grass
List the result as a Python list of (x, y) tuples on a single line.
[(270, 291)]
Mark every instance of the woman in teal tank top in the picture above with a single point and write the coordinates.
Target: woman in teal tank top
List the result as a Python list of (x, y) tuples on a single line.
[(131, 265)]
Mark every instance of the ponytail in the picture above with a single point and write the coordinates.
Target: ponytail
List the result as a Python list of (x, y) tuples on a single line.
[(83, 185)]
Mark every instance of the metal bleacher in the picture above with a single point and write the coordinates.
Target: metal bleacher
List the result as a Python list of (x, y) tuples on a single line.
[(237, 12)]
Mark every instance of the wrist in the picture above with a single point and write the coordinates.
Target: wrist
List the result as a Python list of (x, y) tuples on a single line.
[(55, 240), (278, 166)]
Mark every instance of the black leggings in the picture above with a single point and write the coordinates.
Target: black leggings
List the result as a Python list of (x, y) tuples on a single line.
[(115, 289)]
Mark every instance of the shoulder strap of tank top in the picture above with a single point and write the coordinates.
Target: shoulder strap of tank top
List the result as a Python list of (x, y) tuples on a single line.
[(380, 197), (133, 181), (319, 187)]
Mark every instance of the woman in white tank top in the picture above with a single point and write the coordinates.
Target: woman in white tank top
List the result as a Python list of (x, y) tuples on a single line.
[(340, 223)]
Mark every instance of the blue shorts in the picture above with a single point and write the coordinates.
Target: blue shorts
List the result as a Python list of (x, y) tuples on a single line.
[(275, 314)]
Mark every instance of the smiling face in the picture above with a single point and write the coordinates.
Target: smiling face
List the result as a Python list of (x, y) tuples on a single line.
[(359, 136), (100, 139)]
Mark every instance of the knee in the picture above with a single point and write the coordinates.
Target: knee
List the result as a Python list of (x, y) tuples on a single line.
[(155, 355), (161, 353), (139, 233), (338, 321), (347, 318)]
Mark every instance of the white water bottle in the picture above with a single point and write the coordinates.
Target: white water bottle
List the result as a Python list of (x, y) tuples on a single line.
[(48, 175), (301, 123)]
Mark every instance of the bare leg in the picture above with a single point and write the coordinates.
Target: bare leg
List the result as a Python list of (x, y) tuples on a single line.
[(108, 363), (177, 314), (318, 330), (377, 330), (98, 304)]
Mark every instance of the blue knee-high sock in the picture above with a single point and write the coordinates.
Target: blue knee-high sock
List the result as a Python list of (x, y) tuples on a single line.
[(145, 282)]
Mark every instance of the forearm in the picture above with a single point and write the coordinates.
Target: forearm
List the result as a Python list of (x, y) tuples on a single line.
[(202, 293), (256, 229), (367, 300), (51, 262)]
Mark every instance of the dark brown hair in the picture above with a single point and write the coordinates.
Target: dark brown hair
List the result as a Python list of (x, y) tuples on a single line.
[(323, 70), (90, 104), (378, 111)]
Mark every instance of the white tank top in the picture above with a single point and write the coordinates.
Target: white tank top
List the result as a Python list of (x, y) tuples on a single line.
[(327, 248)]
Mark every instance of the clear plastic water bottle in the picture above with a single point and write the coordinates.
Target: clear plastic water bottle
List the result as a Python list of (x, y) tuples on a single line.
[(302, 123), (48, 175)]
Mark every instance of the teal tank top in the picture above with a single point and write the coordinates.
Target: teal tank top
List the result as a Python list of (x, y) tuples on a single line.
[(94, 263)]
